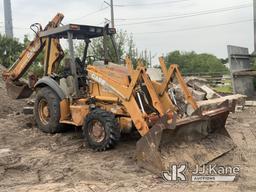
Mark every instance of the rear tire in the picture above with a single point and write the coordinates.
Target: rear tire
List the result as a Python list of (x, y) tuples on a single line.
[(101, 130), (47, 110)]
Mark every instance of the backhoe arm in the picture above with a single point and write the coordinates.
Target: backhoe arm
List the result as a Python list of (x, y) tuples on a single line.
[(26, 58)]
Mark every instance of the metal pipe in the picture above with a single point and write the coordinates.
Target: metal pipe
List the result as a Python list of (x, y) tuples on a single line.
[(254, 22), (115, 49), (141, 105), (73, 63), (8, 18), (173, 96), (112, 14)]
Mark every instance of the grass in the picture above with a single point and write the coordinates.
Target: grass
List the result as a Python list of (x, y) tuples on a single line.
[(224, 89)]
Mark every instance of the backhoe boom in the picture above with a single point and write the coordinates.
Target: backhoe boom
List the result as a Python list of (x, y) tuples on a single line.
[(27, 57)]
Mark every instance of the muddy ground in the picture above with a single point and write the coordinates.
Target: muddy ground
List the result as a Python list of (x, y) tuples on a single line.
[(33, 161)]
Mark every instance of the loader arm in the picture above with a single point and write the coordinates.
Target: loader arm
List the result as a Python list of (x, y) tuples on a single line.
[(26, 58), (197, 139), (127, 94), (168, 74)]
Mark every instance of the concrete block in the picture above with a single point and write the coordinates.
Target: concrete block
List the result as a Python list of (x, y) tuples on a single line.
[(210, 94), (189, 110), (250, 103), (198, 95), (243, 85), (213, 103), (195, 82)]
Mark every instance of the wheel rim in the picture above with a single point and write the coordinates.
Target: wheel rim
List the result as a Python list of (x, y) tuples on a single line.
[(97, 131), (43, 111)]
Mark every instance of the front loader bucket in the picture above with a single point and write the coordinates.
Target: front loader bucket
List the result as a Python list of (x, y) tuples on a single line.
[(18, 90), (196, 140)]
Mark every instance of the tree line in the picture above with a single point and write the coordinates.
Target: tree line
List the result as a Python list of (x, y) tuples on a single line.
[(193, 63), (189, 62)]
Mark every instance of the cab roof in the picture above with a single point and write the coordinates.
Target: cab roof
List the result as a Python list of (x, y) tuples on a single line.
[(78, 31)]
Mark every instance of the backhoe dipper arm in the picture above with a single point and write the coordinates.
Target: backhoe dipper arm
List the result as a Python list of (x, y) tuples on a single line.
[(26, 58)]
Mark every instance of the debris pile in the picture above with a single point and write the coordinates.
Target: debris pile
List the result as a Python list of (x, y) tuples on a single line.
[(205, 96)]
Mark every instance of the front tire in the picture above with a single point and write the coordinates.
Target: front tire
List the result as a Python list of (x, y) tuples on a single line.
[(47, 110), (101, 130)]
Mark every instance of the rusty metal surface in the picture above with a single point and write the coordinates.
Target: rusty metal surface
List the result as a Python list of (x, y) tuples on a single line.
[(18, 90), (147, 148), (195, 140)]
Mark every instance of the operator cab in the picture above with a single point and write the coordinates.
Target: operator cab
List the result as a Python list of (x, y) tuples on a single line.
[(81, 32), (74, 67)]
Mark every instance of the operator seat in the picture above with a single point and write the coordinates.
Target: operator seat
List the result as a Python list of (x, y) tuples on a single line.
[(67, 80)]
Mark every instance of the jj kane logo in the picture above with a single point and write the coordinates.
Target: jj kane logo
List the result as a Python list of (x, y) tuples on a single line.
[(205, 173)]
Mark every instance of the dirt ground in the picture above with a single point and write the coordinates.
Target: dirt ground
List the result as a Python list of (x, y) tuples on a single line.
[(33, 161)]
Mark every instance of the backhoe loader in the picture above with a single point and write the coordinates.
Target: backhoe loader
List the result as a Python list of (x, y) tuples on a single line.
[(106, 99)]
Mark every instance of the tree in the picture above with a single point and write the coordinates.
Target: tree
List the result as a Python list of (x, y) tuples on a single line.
[(10, 50), (124, 43), (224, 61), (96, 48), (191, 62)]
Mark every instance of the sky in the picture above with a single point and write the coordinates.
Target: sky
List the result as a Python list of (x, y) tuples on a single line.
[(203, 26)]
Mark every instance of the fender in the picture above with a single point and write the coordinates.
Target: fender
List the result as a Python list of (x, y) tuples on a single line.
[(48, 81)]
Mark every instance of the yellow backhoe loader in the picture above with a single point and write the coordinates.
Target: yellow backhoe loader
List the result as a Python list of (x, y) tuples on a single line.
[(107, 99)]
